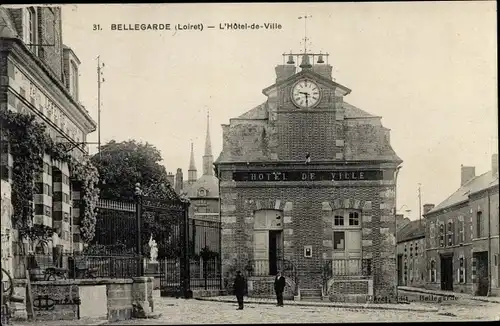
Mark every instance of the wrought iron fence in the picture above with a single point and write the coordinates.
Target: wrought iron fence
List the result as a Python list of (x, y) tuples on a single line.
[(116, 228), (62, 266), (205, 273)]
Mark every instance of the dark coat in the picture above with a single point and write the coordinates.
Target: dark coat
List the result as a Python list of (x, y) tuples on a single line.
[(239, 285), (279, 284)]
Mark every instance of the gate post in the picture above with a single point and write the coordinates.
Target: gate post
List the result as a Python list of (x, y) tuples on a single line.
[(138, 216), (185, 270)]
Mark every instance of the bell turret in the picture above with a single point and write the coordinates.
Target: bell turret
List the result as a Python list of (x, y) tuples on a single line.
[(306, 64)]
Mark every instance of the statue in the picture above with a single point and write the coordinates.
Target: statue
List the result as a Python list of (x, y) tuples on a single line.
[(153, 250)]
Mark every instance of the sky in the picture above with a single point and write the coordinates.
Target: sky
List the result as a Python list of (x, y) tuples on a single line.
[(429, 69)]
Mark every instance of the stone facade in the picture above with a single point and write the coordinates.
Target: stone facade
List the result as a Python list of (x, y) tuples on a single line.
[(462, 237), (35, 82), (264, 169)]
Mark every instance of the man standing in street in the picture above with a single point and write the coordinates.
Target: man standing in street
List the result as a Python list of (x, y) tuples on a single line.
[(239, 289), (279, 287)]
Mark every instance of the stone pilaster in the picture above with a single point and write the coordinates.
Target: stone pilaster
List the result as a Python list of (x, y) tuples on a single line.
[(288, 231), (142, 297), (75, 210), (43, 194), (327, 224), (61, 204), (230, 227), (386, 280)]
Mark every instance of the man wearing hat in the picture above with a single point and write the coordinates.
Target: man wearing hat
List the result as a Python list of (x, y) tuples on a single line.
[(279, 287), (239, 289)]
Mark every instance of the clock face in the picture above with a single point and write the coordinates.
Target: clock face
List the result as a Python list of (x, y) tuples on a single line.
[(306, 93)]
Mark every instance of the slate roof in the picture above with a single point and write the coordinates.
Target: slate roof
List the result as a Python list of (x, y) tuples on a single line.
[(413, 230), (477, 184), (208, 182), (257, 113)]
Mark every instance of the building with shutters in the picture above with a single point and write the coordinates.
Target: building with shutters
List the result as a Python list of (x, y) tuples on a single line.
[(411, 258), (40, 77), (307, 186), (462, 236)]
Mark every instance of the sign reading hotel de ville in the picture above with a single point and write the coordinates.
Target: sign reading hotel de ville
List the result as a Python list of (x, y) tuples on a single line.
[(354, 175)]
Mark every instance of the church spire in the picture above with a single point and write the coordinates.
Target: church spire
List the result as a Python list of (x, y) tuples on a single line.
[(192, 167), (208, 159)]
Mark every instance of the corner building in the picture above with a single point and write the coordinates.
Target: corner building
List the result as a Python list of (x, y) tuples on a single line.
[(307, 186)]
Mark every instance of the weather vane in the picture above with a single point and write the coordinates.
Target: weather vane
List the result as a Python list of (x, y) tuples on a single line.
[(306, 39)]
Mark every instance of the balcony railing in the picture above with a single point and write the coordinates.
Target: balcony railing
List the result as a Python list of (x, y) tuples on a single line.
[(346, 267), (264, 267)]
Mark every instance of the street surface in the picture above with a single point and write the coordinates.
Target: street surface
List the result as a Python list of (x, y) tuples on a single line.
[(180, 311)]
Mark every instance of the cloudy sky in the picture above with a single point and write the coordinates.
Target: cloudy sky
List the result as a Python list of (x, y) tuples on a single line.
[(429, 69)]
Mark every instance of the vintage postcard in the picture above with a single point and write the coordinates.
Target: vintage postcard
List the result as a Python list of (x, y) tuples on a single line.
[(298, 162)]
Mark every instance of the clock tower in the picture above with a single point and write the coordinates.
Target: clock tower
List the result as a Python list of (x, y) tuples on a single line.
[(307, 187), (302, 102)]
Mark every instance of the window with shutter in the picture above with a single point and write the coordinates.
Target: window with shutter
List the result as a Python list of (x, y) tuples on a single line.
[(465, 270), (441, 234), (461, 268), (450, 234), (433, 271), (461, 230)]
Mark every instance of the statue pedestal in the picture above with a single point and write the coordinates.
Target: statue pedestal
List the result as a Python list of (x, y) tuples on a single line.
[(152, 267)]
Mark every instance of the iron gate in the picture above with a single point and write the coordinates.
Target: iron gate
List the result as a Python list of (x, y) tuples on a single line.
[(171, 214)]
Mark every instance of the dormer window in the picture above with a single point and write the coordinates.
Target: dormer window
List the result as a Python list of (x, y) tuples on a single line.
[(31, 28), (202, 192), (74, 80)]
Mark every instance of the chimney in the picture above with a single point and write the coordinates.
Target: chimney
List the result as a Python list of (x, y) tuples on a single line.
[(428, 208), (284, 71), (171, 179), (494, 164), (178, 181), (323, 70), (467, 173)]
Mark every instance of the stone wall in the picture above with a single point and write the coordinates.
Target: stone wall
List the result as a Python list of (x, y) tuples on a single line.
[(307, 221), (263, 287), (111, 299)]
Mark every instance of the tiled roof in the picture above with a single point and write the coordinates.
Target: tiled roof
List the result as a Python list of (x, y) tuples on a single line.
[(481, 182)]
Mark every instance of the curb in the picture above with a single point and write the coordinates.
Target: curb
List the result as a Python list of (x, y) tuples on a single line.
[(97, 322), (330, 305), (451, 294)]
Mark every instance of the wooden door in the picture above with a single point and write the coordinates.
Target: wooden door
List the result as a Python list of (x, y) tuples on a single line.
[(347, 255), (261, 252)]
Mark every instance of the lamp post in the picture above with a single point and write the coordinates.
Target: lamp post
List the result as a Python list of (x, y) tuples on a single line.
[(138, 217)]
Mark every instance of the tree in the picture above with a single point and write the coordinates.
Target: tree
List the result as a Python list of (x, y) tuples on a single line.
[(122, 165)]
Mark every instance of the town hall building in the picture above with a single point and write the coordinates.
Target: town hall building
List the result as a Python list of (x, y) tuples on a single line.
[(307, 186)]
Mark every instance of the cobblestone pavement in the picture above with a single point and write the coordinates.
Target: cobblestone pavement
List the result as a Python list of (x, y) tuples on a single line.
[(180, 311)]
